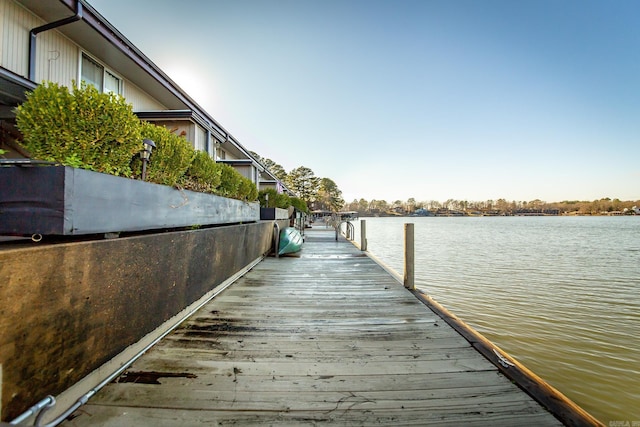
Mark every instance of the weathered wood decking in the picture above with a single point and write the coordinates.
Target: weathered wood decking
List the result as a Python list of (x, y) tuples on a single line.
[(327, 337)]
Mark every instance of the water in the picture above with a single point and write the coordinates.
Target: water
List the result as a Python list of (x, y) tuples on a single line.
[(560, 294)]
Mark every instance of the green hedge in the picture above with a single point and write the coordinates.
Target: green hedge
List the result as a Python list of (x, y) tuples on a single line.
[(82, 128), (204, 174), (87, 129), (171, 158), (276, 200)]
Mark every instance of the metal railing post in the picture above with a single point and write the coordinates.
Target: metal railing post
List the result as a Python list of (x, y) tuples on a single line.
[(276, 238), (409, 257)]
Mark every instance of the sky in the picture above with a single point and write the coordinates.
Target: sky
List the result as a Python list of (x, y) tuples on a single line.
[(430, 99)]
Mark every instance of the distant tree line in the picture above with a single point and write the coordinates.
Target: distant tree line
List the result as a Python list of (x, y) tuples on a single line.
[(324, 194), (603, 206)]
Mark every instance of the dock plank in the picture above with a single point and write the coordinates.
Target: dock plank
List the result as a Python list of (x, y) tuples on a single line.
[(326, 337)]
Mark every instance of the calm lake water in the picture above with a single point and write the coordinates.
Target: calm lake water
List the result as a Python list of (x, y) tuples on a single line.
[(560, 294)]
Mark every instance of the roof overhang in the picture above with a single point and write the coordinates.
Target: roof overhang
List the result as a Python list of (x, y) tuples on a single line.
[(242, 162), (187, 115), (13, 90)]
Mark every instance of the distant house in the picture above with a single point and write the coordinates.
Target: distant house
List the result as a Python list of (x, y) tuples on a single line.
[(67, 40), (423, 212)]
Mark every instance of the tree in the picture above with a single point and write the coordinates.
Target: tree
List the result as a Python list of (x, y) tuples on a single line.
[(363, 206), (353, 206), (273, 167), (329, 196), (411, 205), (303, 181), (299, 204), (378, 206)]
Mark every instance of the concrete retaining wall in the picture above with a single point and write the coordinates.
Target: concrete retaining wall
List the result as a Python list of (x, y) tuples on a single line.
[(68, 308)]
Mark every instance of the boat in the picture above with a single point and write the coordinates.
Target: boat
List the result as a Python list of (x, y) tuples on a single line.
[(290, 241)]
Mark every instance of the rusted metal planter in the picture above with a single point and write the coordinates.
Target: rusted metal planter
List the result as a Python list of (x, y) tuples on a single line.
[(61, 200)]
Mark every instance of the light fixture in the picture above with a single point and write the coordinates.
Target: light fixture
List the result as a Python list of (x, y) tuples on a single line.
[(145, 155)]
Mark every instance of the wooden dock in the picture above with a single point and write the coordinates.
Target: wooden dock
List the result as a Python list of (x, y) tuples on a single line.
[(326, 337)]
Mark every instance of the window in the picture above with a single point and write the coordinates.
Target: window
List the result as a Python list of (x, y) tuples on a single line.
[(220, 154), (111, 83), (94, 73)]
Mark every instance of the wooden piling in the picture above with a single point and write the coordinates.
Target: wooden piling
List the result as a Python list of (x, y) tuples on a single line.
[(409, 257), (363, 235)]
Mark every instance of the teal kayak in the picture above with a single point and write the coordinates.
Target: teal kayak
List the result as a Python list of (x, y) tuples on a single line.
[(290, 241)]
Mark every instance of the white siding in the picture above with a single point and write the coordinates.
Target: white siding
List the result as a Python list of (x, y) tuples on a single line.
[(16, 23), (245, 171), (57, 59), (200, 142), (227, 155), (140, 100), (56, 56)]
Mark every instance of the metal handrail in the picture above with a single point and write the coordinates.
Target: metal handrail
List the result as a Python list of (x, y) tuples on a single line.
[(349, 231)]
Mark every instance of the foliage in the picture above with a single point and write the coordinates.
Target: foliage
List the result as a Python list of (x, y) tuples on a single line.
[(82, 128), (204, 174), (2, 151), (234, 184), (329, 196), (171, 158), (603, 206), (247, 190), (275, 199), (273, 167), (230, 181), (303, 181), (299, 204)]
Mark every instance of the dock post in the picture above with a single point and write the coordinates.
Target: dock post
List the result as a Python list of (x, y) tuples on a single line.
[(363, 235), (409, 257)]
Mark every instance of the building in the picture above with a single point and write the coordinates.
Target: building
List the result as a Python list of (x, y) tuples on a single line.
[(67, 40)]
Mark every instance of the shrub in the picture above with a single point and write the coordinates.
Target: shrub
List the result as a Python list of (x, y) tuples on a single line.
[(247, 190), (230, 181), (204, 174), (171, 158), (98, 131), (299, 204), (82, 128), (276, 200)]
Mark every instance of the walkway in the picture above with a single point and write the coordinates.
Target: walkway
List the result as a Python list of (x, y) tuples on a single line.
[(326, 337)]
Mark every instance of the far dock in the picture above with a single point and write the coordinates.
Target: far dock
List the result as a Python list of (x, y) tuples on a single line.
[(325, 337)]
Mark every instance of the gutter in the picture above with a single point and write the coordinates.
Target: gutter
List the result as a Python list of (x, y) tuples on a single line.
[(35, 31)]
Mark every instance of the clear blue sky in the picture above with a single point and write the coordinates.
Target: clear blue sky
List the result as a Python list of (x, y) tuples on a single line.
[(461, 99)]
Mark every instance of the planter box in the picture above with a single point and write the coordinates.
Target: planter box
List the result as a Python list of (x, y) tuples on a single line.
[(60, 200), (273, 213)]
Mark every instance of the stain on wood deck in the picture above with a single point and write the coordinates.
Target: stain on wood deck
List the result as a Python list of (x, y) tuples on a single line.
[(326, 337)]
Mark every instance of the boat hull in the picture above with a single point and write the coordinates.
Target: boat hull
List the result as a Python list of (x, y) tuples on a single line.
[(290, 241)]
